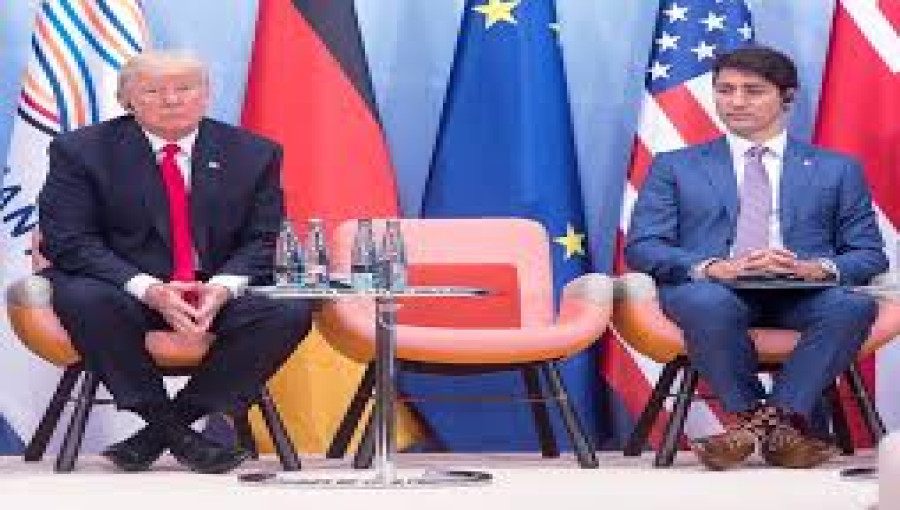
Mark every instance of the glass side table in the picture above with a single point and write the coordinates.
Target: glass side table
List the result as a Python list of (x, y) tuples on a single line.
[(385, 390)]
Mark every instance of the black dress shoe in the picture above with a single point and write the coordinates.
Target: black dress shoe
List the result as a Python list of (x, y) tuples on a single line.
[(138, 452), (201, 455)]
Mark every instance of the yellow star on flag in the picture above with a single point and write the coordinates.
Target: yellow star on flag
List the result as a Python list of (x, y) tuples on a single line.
[(572, 241), (497, 10)]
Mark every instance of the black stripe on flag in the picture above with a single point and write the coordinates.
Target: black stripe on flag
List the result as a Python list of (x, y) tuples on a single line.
[(336, 24)]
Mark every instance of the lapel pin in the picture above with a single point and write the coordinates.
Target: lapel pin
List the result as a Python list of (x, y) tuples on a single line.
[(213, 165), (807, 162)]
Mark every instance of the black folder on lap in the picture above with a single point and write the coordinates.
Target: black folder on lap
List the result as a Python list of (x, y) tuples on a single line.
[(777, 282)]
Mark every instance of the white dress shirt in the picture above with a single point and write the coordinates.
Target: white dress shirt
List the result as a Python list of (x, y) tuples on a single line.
[(137, 286), (772, 160)]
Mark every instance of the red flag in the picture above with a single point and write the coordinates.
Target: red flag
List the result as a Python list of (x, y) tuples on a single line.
[(858, 115), (309, 89)]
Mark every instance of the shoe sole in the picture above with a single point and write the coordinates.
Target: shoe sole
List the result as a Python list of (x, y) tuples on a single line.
[(224, 467)]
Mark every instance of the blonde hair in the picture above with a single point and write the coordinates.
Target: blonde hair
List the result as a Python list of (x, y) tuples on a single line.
[(157, 60)]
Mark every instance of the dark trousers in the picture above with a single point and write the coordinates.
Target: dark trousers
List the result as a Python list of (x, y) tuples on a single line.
[(833, 323), (254, 336)]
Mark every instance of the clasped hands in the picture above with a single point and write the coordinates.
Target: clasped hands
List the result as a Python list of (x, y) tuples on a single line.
[(770, 261), (189, 307)]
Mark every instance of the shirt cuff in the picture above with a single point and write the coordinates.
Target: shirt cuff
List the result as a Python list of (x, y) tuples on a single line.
[(698, 272), (137, 286), (236, 284), (830, 267)]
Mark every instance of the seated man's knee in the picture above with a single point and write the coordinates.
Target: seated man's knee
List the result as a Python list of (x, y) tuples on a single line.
[(712, 301), (858, 310), (295, 316), (88, 294)]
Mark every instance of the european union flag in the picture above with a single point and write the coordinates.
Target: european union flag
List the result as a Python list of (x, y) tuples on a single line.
[(506, 148)]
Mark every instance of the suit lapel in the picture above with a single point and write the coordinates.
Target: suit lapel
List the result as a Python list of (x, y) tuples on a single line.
[(137, 155), (719, 170), (796, 175), (205, 177)]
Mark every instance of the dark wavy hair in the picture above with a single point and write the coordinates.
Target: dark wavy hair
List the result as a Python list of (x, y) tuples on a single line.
[(771, 64)]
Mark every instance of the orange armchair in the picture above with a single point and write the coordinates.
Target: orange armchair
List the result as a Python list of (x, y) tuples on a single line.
[(38, 328), (639, 321), (514, 328)]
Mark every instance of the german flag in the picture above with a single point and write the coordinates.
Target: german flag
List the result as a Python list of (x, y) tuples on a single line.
[(309, 89)]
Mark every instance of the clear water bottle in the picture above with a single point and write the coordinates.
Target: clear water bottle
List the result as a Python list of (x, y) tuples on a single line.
[(316, 255), (392, 259), (363, 257), (288, 256)]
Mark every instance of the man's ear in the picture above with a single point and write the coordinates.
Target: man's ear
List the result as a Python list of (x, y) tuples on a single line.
[(124, 102), (787, 98)]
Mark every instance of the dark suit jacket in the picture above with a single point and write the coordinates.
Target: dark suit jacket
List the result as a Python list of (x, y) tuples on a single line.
[(687, 212), (104, 210)]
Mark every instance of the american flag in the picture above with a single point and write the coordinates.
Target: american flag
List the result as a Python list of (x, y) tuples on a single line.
[(677, 110)]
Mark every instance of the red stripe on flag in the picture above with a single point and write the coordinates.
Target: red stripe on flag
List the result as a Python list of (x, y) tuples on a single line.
[(688, 116), (891, 10), (625, 377), (336, 164), (640, 164), (38, 108)]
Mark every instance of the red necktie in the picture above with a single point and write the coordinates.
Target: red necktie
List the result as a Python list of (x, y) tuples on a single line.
[(179, 216)]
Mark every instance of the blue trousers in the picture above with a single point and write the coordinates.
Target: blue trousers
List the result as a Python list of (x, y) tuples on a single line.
[(833, 323)]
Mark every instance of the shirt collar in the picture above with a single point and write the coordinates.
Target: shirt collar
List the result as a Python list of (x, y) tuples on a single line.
[(185, 143), (775, 145)]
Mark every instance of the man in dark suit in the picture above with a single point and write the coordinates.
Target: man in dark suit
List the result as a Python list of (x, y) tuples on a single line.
[(757, 202), (160, 219)]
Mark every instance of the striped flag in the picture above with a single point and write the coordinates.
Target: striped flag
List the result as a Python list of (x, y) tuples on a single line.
[(677, 110), (858, 115), (77, 48)]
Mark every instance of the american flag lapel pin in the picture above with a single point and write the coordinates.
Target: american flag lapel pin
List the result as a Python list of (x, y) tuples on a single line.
[(213, 165), (807, 162)]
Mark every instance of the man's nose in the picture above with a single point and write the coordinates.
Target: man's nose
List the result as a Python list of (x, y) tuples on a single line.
[(172, 96)]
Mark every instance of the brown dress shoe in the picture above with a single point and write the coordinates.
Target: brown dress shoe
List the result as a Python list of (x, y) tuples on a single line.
[(786, 446), (725, 450)]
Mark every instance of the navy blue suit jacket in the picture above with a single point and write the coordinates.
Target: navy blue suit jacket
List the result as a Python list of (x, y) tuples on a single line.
[(104, 210), (687, 210)]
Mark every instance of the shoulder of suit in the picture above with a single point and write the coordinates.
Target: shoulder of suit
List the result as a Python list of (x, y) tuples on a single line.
[(239, 137), (693, 151), (99, 131), (821, 154)]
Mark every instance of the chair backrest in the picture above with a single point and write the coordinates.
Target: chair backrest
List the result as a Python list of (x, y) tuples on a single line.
[(519, 242)]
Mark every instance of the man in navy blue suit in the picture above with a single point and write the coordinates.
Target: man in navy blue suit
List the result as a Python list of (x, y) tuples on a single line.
[(160, 219), (758, 203)]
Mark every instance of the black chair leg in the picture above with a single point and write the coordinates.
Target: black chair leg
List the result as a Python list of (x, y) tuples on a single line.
[(839, 420), (665, 456), (641, 432), (584, 450), (65, 462), (44, 432), (365, 452), (284, 447), (864, 401), (353, 416), (537, 401), (244, 433)]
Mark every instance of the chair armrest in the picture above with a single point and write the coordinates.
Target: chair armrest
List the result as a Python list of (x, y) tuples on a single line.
[(30, 311), (639, 321)]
